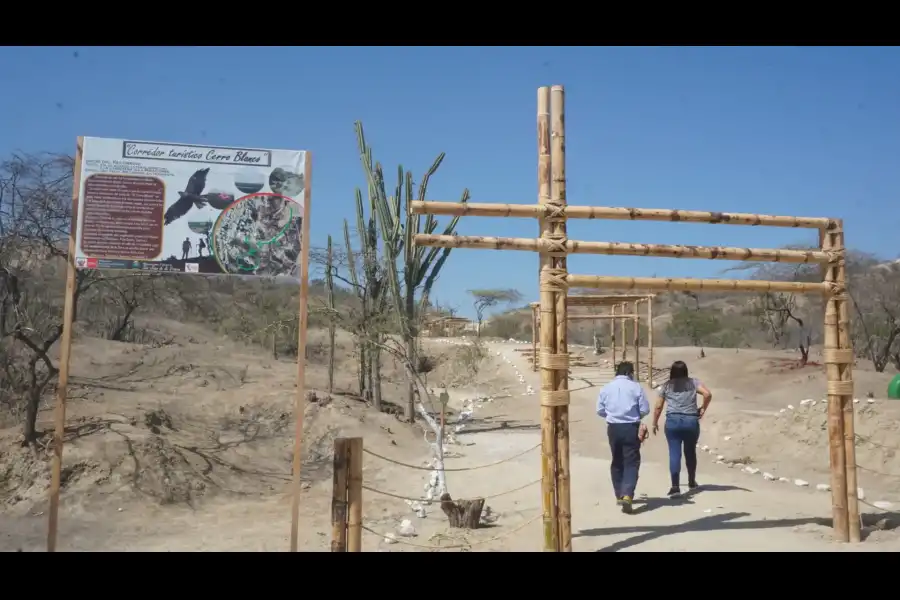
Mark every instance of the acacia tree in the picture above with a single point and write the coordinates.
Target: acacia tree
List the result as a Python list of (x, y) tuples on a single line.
[(874, 289), (485, 299), (787, 319)]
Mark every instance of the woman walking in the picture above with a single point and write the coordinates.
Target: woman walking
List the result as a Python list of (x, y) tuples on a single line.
[(679, 397)]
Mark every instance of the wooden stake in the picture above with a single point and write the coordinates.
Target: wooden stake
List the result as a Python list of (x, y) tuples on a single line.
[(616, 214), (354, 494), (65, 355), (561, 384), (534, 338), (547, 337), (339, 490), (300, 400), (835, 415), (624, 333), (637, 344)]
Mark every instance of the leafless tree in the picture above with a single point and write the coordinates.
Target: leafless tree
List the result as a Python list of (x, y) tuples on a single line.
[(35, 217), (875, 296)]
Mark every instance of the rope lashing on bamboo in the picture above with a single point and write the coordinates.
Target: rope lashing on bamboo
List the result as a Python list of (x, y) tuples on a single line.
[(838, 356), (554, 244), (554, 397), (840, 388), (837, 291), (555, 212), (554, 280), (554, 362)]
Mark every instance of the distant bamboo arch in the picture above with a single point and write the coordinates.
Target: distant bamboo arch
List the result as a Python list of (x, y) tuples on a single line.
[(613, 303)]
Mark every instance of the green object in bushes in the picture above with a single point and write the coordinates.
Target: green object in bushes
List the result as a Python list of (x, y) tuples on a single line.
[(894, 388)]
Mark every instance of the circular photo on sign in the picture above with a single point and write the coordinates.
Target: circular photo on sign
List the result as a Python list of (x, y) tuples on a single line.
[(259, 234), (249, 181), (285, 182)]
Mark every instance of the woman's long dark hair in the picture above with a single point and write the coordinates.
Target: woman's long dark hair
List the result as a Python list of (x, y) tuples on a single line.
[(679, 381)]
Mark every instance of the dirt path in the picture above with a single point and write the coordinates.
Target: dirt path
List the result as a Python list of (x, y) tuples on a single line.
[(734, 512)]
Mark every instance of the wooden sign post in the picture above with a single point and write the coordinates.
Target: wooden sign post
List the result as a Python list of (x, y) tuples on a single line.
[(552, 212), (96, 160)]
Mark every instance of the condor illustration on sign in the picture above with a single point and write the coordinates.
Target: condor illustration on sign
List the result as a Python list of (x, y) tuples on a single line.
[(194, 209)]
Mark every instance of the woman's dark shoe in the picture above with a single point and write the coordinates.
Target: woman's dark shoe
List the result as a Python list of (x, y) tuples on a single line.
[(693, 485), (673, 492)]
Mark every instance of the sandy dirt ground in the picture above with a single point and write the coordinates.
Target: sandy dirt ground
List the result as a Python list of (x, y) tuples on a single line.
[(187, 447)]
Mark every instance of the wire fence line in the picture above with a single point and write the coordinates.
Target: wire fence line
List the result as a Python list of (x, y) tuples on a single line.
[(415, 499), (451, 470)]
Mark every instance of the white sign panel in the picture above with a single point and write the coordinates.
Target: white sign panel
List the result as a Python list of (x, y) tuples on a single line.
[(162, 206)]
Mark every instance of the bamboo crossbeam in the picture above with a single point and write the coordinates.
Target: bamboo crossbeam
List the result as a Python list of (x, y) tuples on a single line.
[(616, 213), (625, 249), (601, 300), (600, 317), (696, 285)]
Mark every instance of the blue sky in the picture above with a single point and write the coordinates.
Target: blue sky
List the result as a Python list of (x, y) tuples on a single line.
[(802, 131)]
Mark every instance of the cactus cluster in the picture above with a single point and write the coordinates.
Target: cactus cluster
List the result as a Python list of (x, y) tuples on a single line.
[(392, 277)]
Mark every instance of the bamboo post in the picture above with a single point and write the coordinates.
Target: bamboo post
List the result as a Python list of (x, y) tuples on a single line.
[(535, 325), (354, 495), (550, 282), (835, 412), (650, 342), (561, 389), (65, 355), (622, 325), (612, 333), (339, 490), (300, 400), (637, 342), (843, 360)]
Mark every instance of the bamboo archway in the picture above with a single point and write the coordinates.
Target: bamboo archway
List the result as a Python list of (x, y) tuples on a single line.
[(553, 212)]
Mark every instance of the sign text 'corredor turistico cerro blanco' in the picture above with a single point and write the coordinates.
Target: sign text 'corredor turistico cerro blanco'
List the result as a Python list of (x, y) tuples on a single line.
[(199, 154)]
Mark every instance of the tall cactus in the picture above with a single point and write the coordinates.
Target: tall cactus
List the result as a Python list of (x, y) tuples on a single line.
[(418, 267), (370, 291)]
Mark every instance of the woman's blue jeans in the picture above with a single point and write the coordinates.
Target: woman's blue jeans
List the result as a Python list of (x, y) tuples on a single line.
[(682, 431)]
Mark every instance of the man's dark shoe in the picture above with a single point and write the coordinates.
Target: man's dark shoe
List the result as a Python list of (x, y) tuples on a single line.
[(627, 508), (693, 485), (673, 492)]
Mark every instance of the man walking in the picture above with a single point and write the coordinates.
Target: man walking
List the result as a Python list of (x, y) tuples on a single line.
[(623, 404)]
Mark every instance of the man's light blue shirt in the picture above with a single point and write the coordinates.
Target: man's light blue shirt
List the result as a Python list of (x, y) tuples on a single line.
[(622, 400)]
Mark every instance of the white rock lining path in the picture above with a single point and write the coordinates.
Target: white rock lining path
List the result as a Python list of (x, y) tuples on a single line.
[(717, 458)]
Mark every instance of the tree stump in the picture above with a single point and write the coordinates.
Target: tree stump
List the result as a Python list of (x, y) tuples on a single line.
[(465, 514)]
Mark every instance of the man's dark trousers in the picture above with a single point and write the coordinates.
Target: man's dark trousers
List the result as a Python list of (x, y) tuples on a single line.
[(625, 445)]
